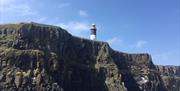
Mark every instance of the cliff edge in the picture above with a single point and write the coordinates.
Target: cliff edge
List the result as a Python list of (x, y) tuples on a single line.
[(39, 57)]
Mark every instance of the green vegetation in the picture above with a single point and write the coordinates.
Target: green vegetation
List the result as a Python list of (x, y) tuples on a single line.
[(7, 37), (167, 76), (4, 50)]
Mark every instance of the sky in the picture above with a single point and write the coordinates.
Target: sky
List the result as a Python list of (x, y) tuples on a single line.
[(132, 26)]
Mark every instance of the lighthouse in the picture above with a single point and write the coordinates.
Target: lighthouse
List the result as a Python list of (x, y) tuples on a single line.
[(93, 32)]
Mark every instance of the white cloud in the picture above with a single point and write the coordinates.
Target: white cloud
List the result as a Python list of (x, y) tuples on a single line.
[(13, 9), (76, 28), (5, 2), (62, 5), (82, 13), (166, 56), (115, 41), (41, 20), (21, 10), (16, 8), (112, 40), (140, 44)]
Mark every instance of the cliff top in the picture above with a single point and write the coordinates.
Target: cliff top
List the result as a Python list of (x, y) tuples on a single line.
[(57, 59), (11, 29)]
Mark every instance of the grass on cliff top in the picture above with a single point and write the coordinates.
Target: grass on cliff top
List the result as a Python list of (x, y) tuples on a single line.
[(15, 25), (7, 37), (167, 76), (27, 24), (4, 50), (10, 26)]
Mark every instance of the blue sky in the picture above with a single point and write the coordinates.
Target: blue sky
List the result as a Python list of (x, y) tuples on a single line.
[(133, 26)]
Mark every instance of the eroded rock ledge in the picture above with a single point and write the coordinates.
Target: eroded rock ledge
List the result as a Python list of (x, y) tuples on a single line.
[(170, 76), (41, 57)]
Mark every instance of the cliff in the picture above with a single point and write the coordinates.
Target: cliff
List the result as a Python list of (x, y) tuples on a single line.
[(38, 57), (170, 76)]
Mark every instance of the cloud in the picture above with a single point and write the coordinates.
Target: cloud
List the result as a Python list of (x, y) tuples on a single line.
[(5, 2), (21, 10), (82, 13), (13, 9), (115, 41), (41, 20), (16, 7), (112, 40), (76, 28), (166, 58), (62, 5), (140, 44)]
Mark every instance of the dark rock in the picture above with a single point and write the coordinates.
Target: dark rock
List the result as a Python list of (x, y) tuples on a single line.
[(38, 57), (170, 76)]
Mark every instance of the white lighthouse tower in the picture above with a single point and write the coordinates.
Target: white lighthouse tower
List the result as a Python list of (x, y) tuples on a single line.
[(93, 32)]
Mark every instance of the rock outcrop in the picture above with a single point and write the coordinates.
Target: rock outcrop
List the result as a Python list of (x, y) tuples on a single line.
[(38, 57), (170, 76)]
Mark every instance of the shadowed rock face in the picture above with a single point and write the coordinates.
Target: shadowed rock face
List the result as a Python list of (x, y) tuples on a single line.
[(38, 57), (170, 76)]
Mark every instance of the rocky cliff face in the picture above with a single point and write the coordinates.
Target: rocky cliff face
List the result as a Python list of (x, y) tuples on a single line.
[(38, 57), (170, 76)]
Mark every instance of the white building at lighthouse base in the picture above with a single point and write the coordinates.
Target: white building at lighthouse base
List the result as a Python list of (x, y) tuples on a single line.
[(93, 37)]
